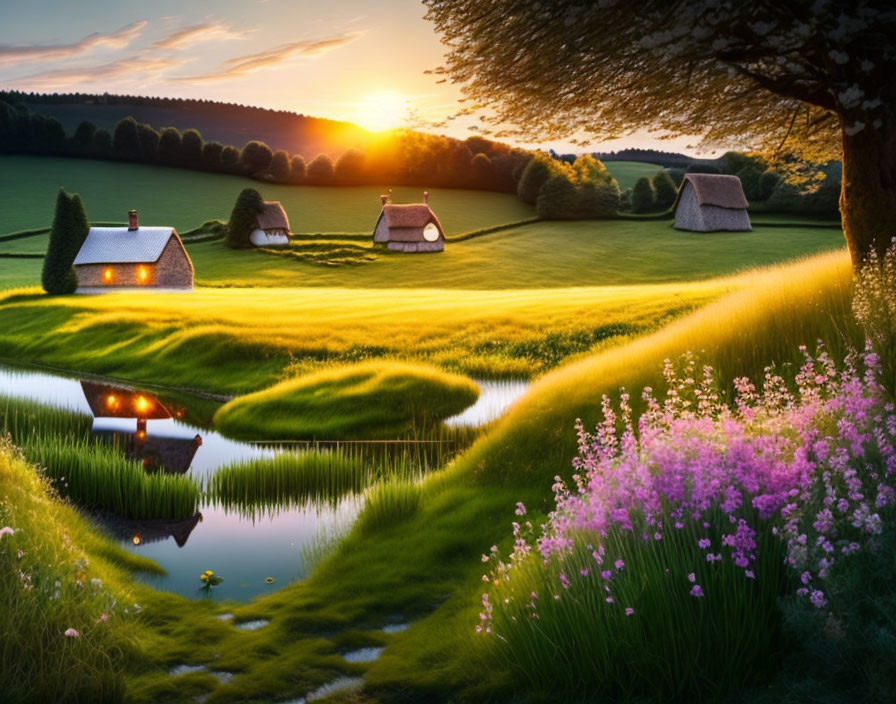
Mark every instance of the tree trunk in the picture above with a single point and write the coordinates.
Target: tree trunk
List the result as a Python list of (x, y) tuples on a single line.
[(868, 192)]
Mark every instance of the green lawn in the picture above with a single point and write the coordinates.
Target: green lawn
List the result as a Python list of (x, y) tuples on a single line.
[(544, 254), (627, 172), (185, 199)]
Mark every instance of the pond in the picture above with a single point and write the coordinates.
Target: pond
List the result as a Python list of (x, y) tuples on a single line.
[(254, 551)]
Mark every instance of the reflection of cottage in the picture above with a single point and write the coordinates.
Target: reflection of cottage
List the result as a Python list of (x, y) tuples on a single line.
[(149, 531), (711, 202), (409, 228), (272, 227), (133, 256), (107, 401)]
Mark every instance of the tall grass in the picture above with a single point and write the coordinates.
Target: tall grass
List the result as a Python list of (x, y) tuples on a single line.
[(388, 503), (673, 646), (26, 420), (53, 579), (99, 477)]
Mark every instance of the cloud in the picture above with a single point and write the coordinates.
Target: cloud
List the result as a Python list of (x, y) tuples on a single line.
[(244, 65), (135, 67), (197, 34), (36, 52)]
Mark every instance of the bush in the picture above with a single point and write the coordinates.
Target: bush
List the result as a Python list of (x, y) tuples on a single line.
[(483, 170), (697, 168), (749, 179), (767, 184), (125, 139), (821, 198), (643, 197), (102, 142), (349, 166), (597, 200), (170, 144), (320, 170), (557, 199), (243, 218), (255, 158), (534, 176), (373, 400), (67, 234), (211, 155), (297, 169), (664, 189), (83, 136), (230, 159), (191, 149), (149, 142), (280, 166)]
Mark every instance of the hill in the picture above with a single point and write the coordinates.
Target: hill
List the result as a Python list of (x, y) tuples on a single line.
[(223, 122)]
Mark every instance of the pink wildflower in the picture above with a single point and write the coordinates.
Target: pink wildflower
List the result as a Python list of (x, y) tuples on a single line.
[(697, 591), (71, 633), (629, 611)]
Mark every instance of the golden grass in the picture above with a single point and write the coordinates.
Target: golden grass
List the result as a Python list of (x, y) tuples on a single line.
[(241, 339)]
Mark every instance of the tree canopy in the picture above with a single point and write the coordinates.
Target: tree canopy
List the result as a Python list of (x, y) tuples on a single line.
[(67, 234), (794, 77)]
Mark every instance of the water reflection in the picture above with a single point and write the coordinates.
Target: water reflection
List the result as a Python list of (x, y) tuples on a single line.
[(151, 531)]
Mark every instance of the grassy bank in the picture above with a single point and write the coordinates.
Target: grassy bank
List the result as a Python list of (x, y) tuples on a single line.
[(254, 337), (371, 400)]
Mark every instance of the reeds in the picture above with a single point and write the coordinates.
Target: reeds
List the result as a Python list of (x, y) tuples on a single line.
[(26, 420), (100, 478)]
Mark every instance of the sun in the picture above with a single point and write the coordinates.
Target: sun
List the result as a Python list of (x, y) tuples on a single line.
[(383, 110)]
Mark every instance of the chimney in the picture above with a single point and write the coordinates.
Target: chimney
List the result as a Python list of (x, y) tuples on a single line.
[(132, 220), (426, 197), (384, 198)]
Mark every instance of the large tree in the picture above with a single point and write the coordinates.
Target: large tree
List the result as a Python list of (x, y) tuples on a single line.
[(67, 234), (805, 78)]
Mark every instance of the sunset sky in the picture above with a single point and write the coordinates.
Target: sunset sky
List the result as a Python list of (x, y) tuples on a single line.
[(344, 59)]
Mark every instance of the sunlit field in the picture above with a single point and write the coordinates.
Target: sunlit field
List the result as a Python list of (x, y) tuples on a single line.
[(253, 336), (627, 173)]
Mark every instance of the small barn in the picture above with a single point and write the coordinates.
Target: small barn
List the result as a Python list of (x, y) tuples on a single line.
[(711, 203), (139, 257), (272, 227), (409, 228)]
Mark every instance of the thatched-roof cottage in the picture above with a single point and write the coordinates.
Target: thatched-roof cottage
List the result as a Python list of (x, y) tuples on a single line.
[(272, 227), (409, 228), (145, 257), (711, 202)]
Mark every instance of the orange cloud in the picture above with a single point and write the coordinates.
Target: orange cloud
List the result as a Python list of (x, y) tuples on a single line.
[(244, 65), (117, 40), (197, 34)]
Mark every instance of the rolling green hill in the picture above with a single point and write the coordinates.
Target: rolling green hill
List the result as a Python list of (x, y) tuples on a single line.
[(627, 172)]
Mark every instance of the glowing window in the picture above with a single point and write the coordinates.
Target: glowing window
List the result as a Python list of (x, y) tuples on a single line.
[(431, 232), (107, 275), (143, 404), (142, 274)]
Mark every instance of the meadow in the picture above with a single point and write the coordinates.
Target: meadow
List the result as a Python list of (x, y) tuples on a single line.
[(185, 199), (253, 337), (627, 173)]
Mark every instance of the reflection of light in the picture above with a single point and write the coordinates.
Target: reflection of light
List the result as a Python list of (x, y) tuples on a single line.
[(107, 275), (143, 274), (136, 540), (111, 400), (141, 434), (143, 404)]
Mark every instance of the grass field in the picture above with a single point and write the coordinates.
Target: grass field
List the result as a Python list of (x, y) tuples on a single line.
[(185, 199), (543, 254), (627, 173), (249, 337)]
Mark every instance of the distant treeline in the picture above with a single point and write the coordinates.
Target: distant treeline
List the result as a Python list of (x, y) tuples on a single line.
[(403, 157), (649, 156)]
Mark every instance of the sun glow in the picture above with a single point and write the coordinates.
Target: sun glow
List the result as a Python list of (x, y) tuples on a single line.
[(383, 110)]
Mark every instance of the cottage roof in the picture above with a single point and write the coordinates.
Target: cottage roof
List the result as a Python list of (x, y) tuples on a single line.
[(715, 189), (273, 216), (406, 222), (119, 245)]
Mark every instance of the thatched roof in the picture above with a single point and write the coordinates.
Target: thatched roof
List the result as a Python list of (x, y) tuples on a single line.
[(406, 222), (273, 216), (715, 189), (119, 245), (107, 401)]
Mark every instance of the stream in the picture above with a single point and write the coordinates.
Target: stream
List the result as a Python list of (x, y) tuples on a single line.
[(255, 553)]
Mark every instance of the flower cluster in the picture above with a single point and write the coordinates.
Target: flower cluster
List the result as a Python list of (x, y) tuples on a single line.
[(812, 466)]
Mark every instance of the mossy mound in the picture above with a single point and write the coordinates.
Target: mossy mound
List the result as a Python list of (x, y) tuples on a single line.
[(371, 400)]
